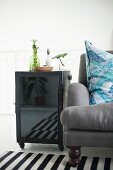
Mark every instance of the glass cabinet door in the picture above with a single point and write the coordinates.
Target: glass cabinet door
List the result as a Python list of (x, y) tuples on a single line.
[(39, 107)]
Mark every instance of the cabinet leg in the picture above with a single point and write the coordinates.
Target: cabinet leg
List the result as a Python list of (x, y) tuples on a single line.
[(74, 155), (22, 145), (61, 147)]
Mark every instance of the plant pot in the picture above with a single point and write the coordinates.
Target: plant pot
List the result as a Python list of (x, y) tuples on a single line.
[(40, 100)]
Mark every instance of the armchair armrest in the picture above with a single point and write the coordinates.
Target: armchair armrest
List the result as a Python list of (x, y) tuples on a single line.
[(93, 117), (78, 95)]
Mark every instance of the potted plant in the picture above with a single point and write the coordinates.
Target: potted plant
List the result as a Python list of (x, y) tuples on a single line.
[(41, 91), (35, 88)]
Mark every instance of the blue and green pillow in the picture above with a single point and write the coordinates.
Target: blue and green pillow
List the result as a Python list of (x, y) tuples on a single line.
[(99, 66)]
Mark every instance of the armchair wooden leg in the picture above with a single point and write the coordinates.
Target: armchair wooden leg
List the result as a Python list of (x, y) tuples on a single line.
[(74, 155)]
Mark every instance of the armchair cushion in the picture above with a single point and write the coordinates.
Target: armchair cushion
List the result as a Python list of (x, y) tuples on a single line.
[(99, 74), (88, 118)]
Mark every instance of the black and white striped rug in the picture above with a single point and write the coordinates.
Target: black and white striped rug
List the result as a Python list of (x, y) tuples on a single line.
[(31, 161)]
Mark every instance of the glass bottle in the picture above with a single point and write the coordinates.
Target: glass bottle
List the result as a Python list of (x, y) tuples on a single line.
[(36, 60)]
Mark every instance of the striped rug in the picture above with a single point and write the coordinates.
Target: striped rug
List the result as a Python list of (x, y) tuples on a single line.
[(31, 161)]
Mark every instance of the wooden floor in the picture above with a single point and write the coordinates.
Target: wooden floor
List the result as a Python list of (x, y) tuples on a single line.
[(8, 141)]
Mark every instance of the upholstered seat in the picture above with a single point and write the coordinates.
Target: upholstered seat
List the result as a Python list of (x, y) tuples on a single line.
[(84, 124)]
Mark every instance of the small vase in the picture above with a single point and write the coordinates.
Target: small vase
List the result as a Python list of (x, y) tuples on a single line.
[(35, 57), (48, 60)]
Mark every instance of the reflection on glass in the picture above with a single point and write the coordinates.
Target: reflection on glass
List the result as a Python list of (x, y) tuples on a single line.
[(34, 87), (40, 125), (39, 109)]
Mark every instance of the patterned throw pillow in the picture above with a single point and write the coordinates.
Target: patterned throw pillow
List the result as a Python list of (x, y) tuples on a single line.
[(99, 66)]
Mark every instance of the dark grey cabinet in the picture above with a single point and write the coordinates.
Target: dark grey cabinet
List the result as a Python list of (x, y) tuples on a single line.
[(40, 98)]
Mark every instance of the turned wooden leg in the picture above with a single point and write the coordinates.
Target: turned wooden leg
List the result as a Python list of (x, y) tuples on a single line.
[(74, 155)]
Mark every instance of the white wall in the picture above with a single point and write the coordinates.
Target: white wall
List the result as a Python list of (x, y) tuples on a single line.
[(61, 25)]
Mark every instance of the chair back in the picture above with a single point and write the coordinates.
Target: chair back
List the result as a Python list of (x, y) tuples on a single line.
[(82, 69)]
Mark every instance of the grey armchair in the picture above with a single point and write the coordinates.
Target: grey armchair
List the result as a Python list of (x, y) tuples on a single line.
[(85, 125)]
